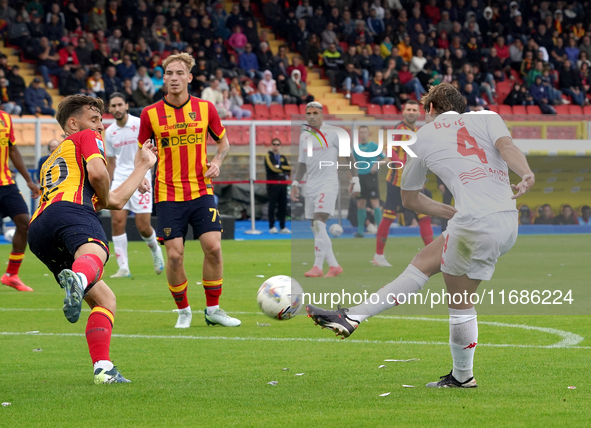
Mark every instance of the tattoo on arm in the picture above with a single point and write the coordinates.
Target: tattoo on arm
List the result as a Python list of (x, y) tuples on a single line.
[(223, 150)]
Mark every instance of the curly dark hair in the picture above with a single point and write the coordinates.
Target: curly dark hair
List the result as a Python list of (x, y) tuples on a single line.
[(444, 98), (73, 105)]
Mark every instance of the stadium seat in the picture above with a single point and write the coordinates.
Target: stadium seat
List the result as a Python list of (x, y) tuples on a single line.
[(494, 107), (276, 112), (533, 110), (505, 109), (562, 109), (374, 109), (519, 110), (574, 109), (291, 109), (587, 110), (390, 109), (248, 107), (359, 100), (261, 112), (302, 108)]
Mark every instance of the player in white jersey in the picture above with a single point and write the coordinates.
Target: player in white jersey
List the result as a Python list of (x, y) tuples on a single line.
[(121, 141), (322, 185), (471, 154)]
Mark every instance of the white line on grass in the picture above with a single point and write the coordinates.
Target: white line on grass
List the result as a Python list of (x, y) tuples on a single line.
[(286, 339), (569, 340)]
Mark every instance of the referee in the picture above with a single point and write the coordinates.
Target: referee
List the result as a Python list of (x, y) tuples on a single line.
[(368, 178), (278, 168)]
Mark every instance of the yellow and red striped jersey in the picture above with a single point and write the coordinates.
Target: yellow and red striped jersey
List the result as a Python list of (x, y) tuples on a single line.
[(64, 176), (6, 140), (395, 175), (180, 133)]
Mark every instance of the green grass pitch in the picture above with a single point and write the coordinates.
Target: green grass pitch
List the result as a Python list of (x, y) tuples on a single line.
[(217, 377)]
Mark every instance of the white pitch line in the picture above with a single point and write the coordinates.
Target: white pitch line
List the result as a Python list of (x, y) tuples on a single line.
[(569, 340), (286, 339)]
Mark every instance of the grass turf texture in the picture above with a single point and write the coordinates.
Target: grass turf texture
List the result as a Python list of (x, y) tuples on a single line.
[(205, 380)]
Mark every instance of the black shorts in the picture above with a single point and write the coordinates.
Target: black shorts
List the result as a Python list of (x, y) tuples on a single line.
[(174, 218), (60, 230), (370, 188), (12, 202), (393, 200)]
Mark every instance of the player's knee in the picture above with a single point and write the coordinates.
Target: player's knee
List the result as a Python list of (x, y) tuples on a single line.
[(22, 223), (213, 250), (425, 265), (175, 257)]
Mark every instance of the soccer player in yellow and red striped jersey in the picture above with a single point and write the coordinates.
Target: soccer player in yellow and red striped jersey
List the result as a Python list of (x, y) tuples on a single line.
[(12, 203), (66, 233), (179, 125), (393, 206)]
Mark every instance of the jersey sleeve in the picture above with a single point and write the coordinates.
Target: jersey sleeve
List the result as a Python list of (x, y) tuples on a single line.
[(496, 127), (302, 149), (92, 145), (215, 127), (146, 130), (414, 174), (109, 148)]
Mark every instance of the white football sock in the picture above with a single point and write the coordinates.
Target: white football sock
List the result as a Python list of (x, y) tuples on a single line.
[(412, 280), (321, 236), (103, 364), (319, 244), (151, 241), (463, 338), (211, 309), (83, 279), (120, 243)]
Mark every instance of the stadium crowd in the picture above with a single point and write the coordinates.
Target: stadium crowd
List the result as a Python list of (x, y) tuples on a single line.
[(393, 50)]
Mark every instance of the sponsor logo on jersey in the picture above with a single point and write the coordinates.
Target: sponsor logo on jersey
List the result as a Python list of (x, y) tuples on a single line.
[(100, 145)]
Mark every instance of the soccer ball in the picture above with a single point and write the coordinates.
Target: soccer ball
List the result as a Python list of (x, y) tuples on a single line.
[(280, 297), (335, 230), (9, 234)]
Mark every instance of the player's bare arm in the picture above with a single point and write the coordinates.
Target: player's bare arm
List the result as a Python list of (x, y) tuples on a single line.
[(518, 163), (111, 164), (354, 185), (295, 189), (119, 196), (19, 164), (416, 201), (99, 180), (144, 185), (213, 167)]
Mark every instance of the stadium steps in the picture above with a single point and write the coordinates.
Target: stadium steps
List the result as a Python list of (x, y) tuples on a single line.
[(318, 86)]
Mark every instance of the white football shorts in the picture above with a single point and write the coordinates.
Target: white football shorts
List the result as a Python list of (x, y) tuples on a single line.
[(472, 248), (320, 203), (138, 203)]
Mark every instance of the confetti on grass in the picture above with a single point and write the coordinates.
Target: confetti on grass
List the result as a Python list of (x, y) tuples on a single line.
[(385, 394), (273, 383)]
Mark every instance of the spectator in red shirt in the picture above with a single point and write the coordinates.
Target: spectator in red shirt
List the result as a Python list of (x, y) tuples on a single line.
[(432, 11), (298, 65), (502, 49), (69, 56)]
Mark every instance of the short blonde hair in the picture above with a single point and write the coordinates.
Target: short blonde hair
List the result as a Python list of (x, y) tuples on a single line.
[(183, 57)]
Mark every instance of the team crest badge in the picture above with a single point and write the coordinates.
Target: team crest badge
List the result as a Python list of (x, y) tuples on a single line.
[(167, 231), (193, 115), (2, 122)]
